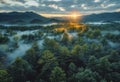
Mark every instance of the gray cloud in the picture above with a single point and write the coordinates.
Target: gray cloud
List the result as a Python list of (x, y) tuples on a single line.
[(60, 6)]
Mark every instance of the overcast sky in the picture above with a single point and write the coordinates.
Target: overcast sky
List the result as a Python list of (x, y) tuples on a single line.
[(60, 6)]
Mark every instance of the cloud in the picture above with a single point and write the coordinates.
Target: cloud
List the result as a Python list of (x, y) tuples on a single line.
[(55, 0), (56, 7), (96, 1), (84, 6), (108, 5), (73, 6), (11, 2), (30, 3), (60, 6), (117, 10)]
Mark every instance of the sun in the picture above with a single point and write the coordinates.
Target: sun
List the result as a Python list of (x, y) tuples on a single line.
[(74, 16)]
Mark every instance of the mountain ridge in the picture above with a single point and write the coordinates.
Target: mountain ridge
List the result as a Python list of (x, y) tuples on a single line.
[(27, 17), (108, 16), (32, 17)]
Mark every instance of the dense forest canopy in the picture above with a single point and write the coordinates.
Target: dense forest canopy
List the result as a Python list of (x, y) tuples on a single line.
[(89, 55)]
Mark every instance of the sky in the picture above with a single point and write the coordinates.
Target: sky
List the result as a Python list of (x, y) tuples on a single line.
[(60, 7)]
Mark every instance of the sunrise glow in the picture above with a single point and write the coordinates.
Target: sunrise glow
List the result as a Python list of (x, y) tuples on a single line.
[(72, 15)]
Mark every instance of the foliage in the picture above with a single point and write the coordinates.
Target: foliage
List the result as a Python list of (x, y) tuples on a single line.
[(87, 57), (3, 39), (5, 77), (21, 71), (57, 75)]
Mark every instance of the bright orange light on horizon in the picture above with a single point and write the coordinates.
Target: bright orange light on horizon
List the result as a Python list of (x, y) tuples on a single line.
[(75, 16), (55, 15)]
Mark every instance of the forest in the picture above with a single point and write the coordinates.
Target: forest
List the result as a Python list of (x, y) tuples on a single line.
[(43, 54)]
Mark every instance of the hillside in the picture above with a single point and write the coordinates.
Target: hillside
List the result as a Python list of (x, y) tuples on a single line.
[(34, 18), (22, 17), (114, 16), (102, 17)]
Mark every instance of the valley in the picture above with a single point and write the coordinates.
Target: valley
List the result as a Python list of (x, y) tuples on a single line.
[(64, 51)]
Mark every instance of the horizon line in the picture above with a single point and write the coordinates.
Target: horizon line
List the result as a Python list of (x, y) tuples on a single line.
[(57, 15), (50, 15)]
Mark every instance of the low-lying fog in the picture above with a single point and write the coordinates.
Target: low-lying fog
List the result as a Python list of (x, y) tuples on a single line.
[(23, 47), (49, 24), (28, 25)]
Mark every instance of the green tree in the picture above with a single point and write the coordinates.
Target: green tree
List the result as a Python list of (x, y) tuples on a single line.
[(52, 45), (104, 68), (64, 51), (114, 56), (5, 77), (97, 33), (3, 58), (3, 39), (77, 50), (80, 40), (57, 75), (46, 63), (85, 75), (21, 71), (39, 34), (92, 63), (72, 69), (47, 57), (104, 41), (16, 38), (35, 46), (103, 80), (104, 64), (31, 56), (65, 38)]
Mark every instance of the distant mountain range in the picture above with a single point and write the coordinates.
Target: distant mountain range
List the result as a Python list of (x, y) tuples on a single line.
[(33, 18), (102, 17), (105, 17), (24, 18)]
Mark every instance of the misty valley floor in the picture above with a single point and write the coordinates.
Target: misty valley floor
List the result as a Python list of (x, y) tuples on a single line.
[(42, 54)]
